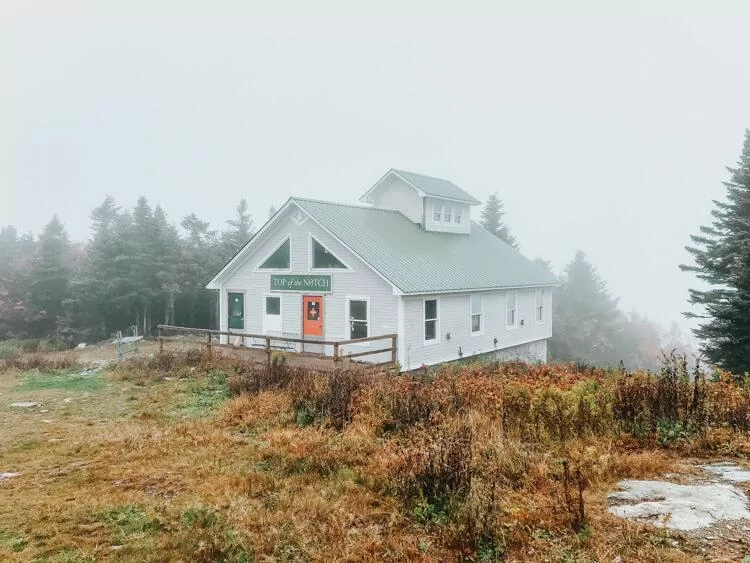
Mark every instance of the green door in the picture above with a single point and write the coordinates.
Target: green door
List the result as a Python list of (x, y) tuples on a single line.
[(236, 311)]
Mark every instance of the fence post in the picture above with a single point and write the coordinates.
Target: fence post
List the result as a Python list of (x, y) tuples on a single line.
[(208, 346), (268, 351), (394, 338), (336, 358), (161, 342)]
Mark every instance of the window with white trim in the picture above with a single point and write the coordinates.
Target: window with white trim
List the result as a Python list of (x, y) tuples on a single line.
[(358, 318), (436, 212), (324, 259), (273, 305), (476, 314), (511, 299), (539, 306), (280, 259), (457, 214), (430, 320), (447, 213)]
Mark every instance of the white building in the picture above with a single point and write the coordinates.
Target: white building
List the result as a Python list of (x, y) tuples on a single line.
[(412, 262)]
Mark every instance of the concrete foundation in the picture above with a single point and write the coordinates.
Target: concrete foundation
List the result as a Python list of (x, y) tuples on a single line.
[(531, 352)]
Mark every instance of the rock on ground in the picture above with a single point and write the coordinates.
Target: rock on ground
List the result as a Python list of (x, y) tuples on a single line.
[(685, 507)]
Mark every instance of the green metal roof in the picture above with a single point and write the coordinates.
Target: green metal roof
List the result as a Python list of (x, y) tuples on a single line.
[(436, 187), (419, 261)]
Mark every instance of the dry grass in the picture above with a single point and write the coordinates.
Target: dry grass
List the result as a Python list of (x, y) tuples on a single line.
[(468, 464)]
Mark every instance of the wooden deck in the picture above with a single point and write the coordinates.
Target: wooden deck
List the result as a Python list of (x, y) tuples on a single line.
[(260, 348)]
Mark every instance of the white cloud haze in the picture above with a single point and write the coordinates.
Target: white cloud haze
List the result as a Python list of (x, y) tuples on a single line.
[(603, 130)]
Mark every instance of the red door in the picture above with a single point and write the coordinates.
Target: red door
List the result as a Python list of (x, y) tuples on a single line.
[(312, 316)]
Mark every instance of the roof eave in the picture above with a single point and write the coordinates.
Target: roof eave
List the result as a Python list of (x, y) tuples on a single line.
[(478, 289), (215, 282), (366, 197)]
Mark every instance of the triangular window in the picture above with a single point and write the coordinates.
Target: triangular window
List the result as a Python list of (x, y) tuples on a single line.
[(280, 259), (323, 259)]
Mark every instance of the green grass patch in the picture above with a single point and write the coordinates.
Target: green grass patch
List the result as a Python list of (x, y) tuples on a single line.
[(14, 542), (67, 555), (9, 348), (200, 517), (130, 521), (204, 395), (65, 381)]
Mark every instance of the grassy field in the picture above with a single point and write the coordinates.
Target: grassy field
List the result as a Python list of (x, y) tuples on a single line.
[(195, 459)]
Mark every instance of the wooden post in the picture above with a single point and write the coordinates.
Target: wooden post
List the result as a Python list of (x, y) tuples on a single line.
[(161, 342), (208, 346), (393, 350), (268, 351), (336, 358)]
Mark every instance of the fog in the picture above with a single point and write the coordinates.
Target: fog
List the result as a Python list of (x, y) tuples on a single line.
[(601, 130)]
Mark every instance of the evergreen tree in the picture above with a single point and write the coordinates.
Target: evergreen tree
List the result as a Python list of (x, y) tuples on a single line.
[(722, 260), (146, 265), (50, 278), (239, 232), (196, 306), (167, 261), (16, 259), (585, 322), (107, 293), (492, 220)]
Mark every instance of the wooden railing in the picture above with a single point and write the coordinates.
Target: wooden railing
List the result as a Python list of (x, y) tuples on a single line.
[(213, 338)]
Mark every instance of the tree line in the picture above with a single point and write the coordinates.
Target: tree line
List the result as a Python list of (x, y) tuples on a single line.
[(136, 271), (588, 326)]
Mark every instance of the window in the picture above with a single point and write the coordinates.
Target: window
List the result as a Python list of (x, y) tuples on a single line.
[(476, 314), (358, 318), (323, 259), (457, 215), (273, 305), (510, 308), (430, 320), (272, 315), (540, 305), (280, 259), (447, 213), (436, 212)]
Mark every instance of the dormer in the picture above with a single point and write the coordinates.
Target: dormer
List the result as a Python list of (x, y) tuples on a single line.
[(435, 204)]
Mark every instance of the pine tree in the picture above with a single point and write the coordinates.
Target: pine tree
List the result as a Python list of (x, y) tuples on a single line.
[(585, 317), (722, 260), (50, 278), (16, 259), (146, 266), (201, 260), (167, 261), (492, 220), (107, 294), (239, 232)]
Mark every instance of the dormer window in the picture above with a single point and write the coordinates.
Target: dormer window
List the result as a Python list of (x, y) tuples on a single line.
[(447, 213), (434, 204)]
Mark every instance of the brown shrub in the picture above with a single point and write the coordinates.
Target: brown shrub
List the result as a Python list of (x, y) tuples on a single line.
[(46, 362), (255, 378), (147, 369), (327, 395)]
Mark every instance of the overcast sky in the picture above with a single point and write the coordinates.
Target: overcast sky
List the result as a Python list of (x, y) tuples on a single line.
[(601, 129)]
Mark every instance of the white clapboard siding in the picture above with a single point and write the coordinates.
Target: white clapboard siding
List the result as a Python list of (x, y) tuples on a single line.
[(359, 281), (455, 318)]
